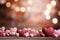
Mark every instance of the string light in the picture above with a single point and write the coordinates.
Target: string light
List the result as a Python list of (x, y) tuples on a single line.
[(15, 0), (29, 2), (59, 13), (8, 4), (17, 9), (29, 9), (54, 20), (46, 12), (49, 6), (53, 2), (22, 9), (48, 17)]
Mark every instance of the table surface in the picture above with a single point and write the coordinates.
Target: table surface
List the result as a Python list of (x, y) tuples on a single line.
[(29, 38)]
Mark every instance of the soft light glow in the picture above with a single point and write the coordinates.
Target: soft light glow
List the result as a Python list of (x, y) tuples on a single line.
[(13, 6), (8, 4), (29, 9), (48, 17), (54, 20), (34, 17), (15, 0), (35, 6), (2, 1), (46, 12), (13, 15), (22, 9), (53, 2), (29, 2), (49, 6), (17, 9), (59, 13)]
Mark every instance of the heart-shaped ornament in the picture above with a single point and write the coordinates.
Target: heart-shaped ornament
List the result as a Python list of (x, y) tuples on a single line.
[(48, 31), (57, 32)]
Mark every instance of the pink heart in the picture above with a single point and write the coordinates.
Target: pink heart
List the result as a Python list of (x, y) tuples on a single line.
[(13, 29), (57, 31)]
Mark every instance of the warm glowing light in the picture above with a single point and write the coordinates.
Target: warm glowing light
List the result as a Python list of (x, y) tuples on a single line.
[(22, 9), (49, 6), (2, 1), (46, 12), (29, 2), (53, 2), (17, 9), (8, 4), (15, 0), (59, 13), (54, 20), (48, 17)]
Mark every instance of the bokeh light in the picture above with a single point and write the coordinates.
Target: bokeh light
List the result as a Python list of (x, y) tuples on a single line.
[(59, 13), (48, 17), (2, 1), (22, 9), (55, 20), (53, 2), (29, 2), (29, 9), (49, 6), (15, 0), (13, 15), (8, 4), (46, 12), (17, 9), (28, 12)]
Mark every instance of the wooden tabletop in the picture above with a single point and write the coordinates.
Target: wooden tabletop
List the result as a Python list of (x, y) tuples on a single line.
[(29, 38)]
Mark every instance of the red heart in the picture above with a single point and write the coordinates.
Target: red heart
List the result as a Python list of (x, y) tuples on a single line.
[(48, 31), (3, 34), (21, 32)]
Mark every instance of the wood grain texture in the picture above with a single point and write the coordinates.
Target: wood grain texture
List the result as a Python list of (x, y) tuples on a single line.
[(29, 38)]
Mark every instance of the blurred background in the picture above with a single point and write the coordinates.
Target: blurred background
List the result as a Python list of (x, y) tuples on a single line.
[(30, 13)]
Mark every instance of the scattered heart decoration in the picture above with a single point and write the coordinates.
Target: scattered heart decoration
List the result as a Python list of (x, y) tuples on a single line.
[(48, 31)]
